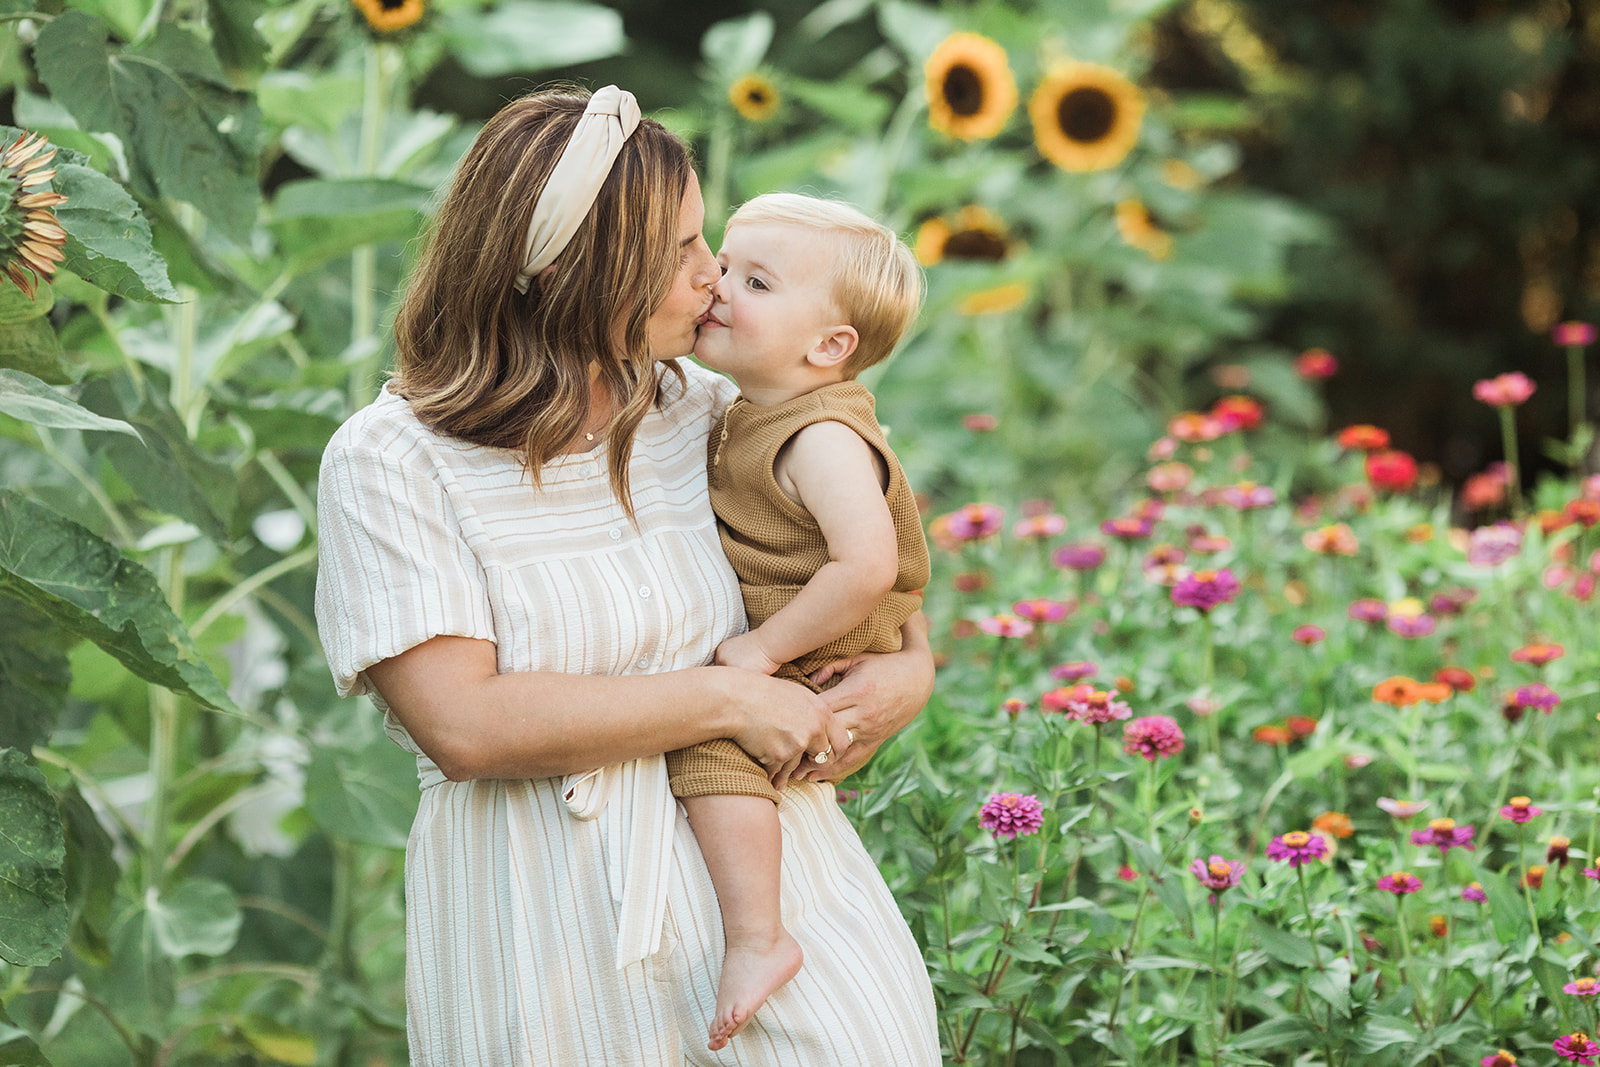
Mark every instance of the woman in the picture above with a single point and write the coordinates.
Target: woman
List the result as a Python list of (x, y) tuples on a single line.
[(520, 565)]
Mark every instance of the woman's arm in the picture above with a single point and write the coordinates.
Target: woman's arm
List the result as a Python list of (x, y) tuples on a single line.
[(880, 694), (475, 722)]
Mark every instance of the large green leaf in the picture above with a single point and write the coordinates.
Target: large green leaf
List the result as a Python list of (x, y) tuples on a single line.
[(33, 675), (198, 917), (108, 238), (516, 36), (234, 36), (170, 473), (736, 46), (17, 306), (188, 135), (33, 890), (92, 875), (17, 1049), (22, 396), (89, 589), (367, 794), (33, 347), (319, 218)]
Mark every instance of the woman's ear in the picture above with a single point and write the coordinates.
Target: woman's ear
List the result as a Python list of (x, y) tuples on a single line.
[(835, 346)]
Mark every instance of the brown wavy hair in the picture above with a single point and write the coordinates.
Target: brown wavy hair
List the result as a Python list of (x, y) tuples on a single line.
[(480, 361)]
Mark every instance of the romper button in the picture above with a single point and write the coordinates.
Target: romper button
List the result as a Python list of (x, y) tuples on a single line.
[(644, 663), (644, 591), (616, 535)]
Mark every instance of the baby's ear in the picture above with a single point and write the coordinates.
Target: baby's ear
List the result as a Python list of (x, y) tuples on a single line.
[(836, 345)]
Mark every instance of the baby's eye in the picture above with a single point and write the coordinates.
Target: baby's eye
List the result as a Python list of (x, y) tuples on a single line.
[(758, 284)]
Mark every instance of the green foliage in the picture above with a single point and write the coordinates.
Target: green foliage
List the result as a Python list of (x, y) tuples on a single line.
[(33, 903)]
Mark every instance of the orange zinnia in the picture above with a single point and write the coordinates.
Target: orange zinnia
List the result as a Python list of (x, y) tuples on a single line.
[(1363, 437), (1334, 824), (1400, 691)]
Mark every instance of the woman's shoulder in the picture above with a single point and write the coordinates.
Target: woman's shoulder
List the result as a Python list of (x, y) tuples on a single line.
[(703, 391), (381, 425)]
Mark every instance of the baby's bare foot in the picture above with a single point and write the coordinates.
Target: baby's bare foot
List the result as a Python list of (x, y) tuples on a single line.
[(750, 974)]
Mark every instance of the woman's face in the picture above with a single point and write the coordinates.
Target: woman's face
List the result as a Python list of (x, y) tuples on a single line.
[(672, 326)]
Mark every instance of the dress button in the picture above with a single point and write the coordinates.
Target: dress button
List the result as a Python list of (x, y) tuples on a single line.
[(644, 663), (644, 591), (616, 535)]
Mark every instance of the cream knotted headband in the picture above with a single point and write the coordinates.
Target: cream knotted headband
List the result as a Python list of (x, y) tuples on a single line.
[(607, 123)]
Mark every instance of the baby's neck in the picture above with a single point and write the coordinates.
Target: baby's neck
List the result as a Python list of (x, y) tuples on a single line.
[(771, 394)]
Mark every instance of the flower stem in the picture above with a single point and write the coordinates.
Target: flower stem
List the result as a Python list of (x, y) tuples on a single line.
[(1577, 408), (1216, 940), (1508, 438), (1405, 941), (1311, 918), (1527, 891), (364, 260)]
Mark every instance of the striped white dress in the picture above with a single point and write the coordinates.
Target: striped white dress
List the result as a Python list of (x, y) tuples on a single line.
[(514, 903)]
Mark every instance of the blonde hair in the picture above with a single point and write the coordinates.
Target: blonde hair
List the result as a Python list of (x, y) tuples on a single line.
[(480, 361), (877, 282)]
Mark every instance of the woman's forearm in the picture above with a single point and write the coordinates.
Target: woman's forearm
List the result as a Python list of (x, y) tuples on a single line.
[(475, 722)]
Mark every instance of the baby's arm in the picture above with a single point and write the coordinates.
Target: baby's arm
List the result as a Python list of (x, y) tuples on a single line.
[(832, 473)]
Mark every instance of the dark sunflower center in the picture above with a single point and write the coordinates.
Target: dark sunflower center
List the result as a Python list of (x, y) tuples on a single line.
[(963, 91), (756, 96), (1086, 115), (392, 5), (975, 244)]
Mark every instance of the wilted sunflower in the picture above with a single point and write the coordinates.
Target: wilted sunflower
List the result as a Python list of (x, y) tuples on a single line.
[(754, 97), (387, 16), (30, 236), (1085, 116), (1139, 230), (993, 301), (971, 92), (971, 233)]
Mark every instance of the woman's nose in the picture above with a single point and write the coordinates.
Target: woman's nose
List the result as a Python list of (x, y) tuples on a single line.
[(707, 272)]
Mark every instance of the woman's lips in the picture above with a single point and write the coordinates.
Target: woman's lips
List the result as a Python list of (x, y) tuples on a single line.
[(709, 319)]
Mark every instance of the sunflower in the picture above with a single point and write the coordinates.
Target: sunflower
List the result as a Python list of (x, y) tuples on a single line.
[(971, 92), (754, 97), (1085, 116), (1139, 230), (387, 16), (30, 235), (971, 233)]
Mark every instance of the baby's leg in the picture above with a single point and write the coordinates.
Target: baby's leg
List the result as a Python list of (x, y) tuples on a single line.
[(743, 848)]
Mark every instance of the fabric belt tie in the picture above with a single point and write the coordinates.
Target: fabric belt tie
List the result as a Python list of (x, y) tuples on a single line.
[(636, 803)]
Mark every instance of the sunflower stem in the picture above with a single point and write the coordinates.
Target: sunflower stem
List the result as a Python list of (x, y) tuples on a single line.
[(1508, 439), (1577, 406), (364, 260), (894, 146), (719, 153)]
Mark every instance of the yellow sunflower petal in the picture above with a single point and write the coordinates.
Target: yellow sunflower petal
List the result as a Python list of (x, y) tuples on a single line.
[(1086, 116), (931, 238), (971, 91), (993, 301), (387, 16)]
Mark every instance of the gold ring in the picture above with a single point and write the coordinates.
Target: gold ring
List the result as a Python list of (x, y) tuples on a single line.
[(850, 735)]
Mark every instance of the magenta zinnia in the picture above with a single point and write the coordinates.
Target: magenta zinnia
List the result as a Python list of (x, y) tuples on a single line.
[(1073, 671), (1043, 609), (1153, 737), (1010, 814), (1504, 390), (1217, 874), (1089, 705), (1578, 1048), (1445, 834), (1520, 810), (1399, 883), (1005, 626), (1297, 847), (1474, 892), (1205, 589), (1582, 987), (1079, 557), (1537, 695), (974, 521)]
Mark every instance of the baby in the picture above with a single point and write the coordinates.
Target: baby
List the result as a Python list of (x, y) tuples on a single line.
[(815, 516)]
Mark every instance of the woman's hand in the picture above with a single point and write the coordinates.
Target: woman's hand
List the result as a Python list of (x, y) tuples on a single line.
[(878, 697), (785, 723)]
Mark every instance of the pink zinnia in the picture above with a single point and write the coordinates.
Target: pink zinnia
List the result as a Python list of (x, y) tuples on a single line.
[(1205, 589), (974, 521), (1217, 874), (1169, 477), (1520, 810), (1419, 625), (1538, 653), (1075, 671), (1490, 546), (1010, 814), (1569, 334), (1401, 809), (1039, 527), (1400, 883), (1536, 695), (1501, 1058), (1582, 987), (1308, 634), (1504, 390), (1128, 528), (1089, 705), (1576, 1047), (1005, 626), (1248, 496), (1369, 609), (1043, 609), (1316, 363), (979, 422), (1152, 736), (1474, 892), (1297, 847), (1079, 557), (1013, 706), (1445, 834)]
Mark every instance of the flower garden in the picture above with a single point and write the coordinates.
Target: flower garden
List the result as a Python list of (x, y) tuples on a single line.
[(1255, 738)]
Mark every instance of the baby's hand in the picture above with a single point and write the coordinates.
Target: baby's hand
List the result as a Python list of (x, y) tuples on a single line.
[(745, 651)]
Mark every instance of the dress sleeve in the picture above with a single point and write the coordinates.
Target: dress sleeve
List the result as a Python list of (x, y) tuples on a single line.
[(394, 568)]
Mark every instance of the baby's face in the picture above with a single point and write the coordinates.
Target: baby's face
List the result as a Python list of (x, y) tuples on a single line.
[(773, 302)]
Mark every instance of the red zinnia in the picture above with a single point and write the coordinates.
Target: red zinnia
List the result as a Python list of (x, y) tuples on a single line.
[(1391, 469), (1316, 363), (1364, 438)]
